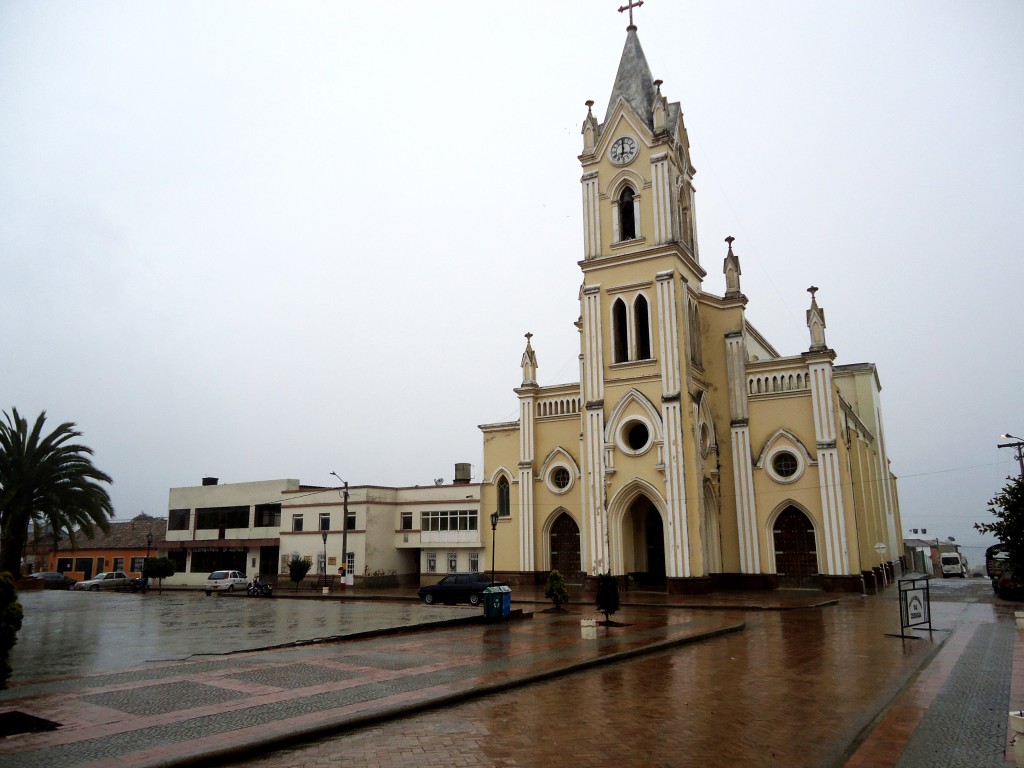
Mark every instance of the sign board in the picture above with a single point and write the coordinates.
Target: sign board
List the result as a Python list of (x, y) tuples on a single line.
[(915, 605)]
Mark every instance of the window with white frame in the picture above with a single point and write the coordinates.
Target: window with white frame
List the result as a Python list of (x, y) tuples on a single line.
[(474, 562), (431, 562), (504, 498), (296, 523), (449, 520), (325, 521), (453, 562)]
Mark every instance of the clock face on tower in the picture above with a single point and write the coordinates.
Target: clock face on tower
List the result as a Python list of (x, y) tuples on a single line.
[(623, 150)]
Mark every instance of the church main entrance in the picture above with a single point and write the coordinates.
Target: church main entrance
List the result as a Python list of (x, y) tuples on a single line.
[(796, 556), (644, 540), (565, 548)]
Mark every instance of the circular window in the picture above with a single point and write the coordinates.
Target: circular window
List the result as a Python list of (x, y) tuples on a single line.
[(635, 437), (785, 464), (559, 479), (705, 439)]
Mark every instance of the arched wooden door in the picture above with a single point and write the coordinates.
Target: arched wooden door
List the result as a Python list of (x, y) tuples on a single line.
[(565, 548), (796, 556)]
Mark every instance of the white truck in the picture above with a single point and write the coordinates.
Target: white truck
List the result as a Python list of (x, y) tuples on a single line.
[(953, 564)]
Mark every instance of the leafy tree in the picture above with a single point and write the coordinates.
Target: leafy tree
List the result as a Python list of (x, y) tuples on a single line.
[(1008, 508), (298, 567), (158, 568), (555, 590), (47, 481), (607, 594), (10, 622)]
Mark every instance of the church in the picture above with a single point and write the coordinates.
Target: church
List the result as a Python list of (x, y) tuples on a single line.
[(692, 455)]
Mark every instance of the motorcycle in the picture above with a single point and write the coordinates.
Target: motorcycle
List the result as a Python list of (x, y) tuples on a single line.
[(259, 588)]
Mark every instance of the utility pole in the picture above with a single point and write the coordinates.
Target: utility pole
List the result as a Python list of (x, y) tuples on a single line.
[(1018, 446), (344, 534)]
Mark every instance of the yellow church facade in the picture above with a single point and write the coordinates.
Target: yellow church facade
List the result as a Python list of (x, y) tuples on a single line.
[(691, 455)]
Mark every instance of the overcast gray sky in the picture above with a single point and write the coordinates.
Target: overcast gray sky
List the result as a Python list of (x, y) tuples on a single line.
[(263, 240)]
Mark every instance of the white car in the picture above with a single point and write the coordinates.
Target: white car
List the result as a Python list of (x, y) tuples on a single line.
[(111, 580), (225, 581)]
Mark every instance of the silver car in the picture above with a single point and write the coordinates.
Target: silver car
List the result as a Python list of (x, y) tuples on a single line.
[(225, 581), (105, 580)]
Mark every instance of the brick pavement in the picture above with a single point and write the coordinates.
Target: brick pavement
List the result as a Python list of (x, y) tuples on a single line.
[(178, 713), (812, 686), (823, 687)]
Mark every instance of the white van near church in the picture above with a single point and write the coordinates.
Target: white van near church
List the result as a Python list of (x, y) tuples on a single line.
[(953, 564)]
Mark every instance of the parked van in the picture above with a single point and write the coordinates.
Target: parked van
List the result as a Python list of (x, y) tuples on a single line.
[(953, 564)]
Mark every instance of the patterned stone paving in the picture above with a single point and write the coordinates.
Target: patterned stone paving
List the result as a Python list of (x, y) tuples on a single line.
[(795, 688), (294, 676), (161, 699), (282, 693), (965, 727)]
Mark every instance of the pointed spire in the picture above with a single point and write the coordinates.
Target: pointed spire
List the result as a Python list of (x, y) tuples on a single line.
[(529, 363), (633, 81), (589, 128), (816, 323), (731, 268)]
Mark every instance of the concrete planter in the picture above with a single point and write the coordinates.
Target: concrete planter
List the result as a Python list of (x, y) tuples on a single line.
[(1017, 729), (588, 629)]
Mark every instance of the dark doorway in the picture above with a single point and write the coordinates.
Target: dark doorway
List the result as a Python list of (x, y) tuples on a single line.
[(565, 548), (655, 549), (796, 556), (269, 558)]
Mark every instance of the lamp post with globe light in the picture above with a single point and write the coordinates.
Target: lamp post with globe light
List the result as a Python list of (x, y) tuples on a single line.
[(494, 531)]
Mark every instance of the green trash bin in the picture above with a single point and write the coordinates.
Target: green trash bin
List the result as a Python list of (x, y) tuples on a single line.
[(492, 603)]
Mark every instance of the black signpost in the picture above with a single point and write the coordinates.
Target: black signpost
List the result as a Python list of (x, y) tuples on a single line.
[(915, 606)]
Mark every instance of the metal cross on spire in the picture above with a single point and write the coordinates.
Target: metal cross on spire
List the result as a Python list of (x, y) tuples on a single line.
[(629, 7)]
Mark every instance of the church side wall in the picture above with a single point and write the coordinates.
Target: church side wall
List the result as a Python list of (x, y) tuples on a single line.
[(717, 322), (501, 452)]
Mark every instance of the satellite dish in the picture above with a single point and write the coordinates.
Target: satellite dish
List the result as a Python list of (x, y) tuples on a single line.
[(439, 481)]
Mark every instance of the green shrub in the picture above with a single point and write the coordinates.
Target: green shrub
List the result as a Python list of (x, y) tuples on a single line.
[(298, 567), (555, 590), (607, 594)]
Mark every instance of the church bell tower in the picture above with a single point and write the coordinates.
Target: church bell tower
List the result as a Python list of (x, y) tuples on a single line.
[(640, 332)]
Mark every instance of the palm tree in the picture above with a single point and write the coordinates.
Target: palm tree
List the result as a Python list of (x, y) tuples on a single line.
[(48, 482)]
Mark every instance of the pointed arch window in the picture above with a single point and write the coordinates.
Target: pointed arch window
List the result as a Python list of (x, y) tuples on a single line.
[(504, 498), (620, 340), (627, 217), (696, 353), (642, 328)]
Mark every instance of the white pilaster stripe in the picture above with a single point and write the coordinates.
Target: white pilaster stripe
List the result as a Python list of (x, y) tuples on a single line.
[(669, 334)]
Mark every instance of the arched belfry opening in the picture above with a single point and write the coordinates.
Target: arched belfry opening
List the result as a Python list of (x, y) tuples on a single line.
[(564, 540), (796, 553), (643, 540), (627, 220)]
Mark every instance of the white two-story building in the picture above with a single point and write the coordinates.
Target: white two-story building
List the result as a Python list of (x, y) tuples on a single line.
[(404, 533)]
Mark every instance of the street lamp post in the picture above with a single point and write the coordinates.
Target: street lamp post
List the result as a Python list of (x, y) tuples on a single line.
[(149, 545), (494, 531), (344, 533), (324, 535), (1018, 446)]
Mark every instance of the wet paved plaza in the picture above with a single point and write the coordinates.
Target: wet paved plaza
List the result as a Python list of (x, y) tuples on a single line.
[(811, 686), (74, 633), (795, 688)]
